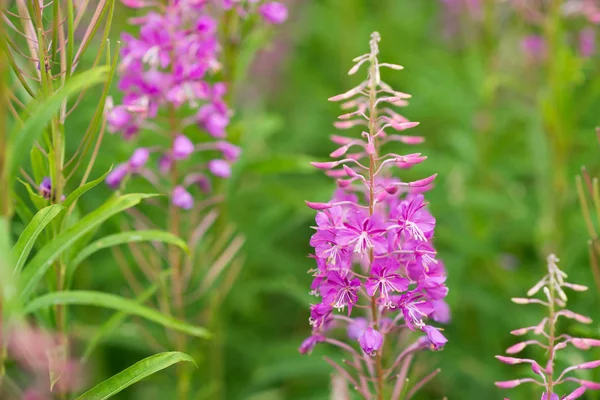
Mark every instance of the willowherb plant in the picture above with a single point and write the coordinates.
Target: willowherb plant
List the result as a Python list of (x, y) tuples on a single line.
[(552, 286), (373, 244)]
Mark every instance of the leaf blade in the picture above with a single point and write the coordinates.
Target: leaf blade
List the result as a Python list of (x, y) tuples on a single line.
[(113, 302), (38, 266), (134, 374), (22, 248)]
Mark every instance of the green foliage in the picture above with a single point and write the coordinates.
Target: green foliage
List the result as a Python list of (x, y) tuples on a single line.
[(113, 302), (133, 374), (39, 265)]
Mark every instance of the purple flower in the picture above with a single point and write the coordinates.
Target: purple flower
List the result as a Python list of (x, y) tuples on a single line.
[(384, 280), (118, 119), (230, 151), (357, 327), (534, 47), (375, 231), (370, 341), (274, 12), (435, 337), (340, 291), (415, 308), (441, 312), (219, 168), (138, 159), (363, 234), (587, 42), (214, 119), (319, 314), (165, 163), (45, 188), (117, 175), (414, 219), (309, 343), (553, 396), (182, 147), (182, 198)]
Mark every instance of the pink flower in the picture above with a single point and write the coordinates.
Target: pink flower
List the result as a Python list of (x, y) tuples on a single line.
[(274, 12)]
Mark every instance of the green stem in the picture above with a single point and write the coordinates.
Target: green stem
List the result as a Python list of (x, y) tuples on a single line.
[(372, 168)]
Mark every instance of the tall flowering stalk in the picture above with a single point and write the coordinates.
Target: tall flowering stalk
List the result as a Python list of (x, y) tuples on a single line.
[(177, 79), (376, 265), (552, 286)]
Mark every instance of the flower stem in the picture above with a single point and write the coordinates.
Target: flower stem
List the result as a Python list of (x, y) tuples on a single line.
[(372, 168), (551, 338)]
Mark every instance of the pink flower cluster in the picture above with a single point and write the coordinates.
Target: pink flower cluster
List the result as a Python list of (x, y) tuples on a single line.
[(373, 242), (552, 286), (166, 72)]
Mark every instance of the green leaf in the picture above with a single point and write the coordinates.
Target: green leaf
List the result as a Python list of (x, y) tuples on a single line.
[(123, 238), (77, 193), (38, 164), (27, 239), (118, 318), (41, 113), (38, 201), (114, 302), (39, 265), (134, 374)]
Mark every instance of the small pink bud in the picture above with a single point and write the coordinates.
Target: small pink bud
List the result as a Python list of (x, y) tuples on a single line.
[(584, 343), (350, 172), (516, 348), (510, 360), (391, 189), (590, 384), (403, 125), (508, 384), (589, 365), (348, 124), (575, 394), (577, 317), (339, 152), (335, 173), (347, 95), (521, 300), (560, 346), (343, 183), (519, 332), (536, 368), (318, 206), (341, 139), (325, 165), (422, 182), (406, 139), (576, 287)]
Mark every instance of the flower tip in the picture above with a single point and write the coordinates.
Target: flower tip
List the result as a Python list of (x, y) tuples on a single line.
[(318, 206), (324, 165), (422, 182), (508, 384)]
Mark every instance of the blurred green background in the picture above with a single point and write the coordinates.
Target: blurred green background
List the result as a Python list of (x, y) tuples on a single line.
[(506, 134)]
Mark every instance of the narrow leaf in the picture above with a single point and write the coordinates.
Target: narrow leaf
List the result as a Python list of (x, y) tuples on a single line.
[(114, 321), (129, 237), (41, 113), (134, 374), (38, 266), (114, 302), (80, 191), (27, 239)]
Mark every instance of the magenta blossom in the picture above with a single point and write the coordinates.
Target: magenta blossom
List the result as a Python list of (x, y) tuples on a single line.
[(373, 240)]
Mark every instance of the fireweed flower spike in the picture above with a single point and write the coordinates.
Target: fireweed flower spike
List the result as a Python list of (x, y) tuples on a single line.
[(551, 288), (377, 272), (165, 71)]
